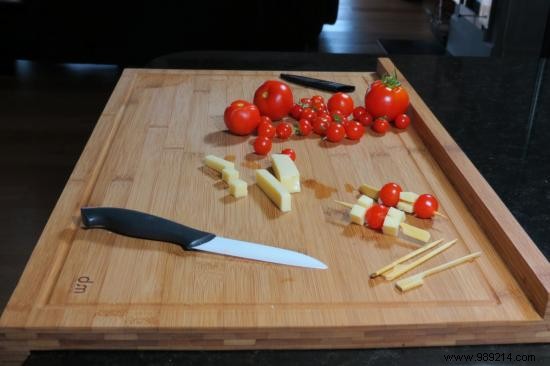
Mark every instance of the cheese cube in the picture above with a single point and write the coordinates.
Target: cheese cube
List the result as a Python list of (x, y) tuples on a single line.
[(404, 206), (409, 197), (415, 232), (229, 173), (273, 189), (369, 191), (216, 163), (365, 201), (357, 214), (286, 172), (238, 187), (396, 214), (390, 226)]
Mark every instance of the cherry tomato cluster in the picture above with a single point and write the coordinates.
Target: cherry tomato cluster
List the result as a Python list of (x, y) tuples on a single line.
[(424, 207)]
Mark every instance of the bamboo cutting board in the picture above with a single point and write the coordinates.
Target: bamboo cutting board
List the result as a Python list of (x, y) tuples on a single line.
[(85, 289)]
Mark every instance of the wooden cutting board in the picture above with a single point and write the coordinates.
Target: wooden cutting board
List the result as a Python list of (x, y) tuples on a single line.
[(87, 289)]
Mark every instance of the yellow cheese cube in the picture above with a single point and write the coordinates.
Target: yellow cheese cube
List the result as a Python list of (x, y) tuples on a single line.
[(396, 214), (365, 201), (216, 163), (409, 197), (229, 173), (273, 189), (404, 206), (415, 233), (357, 214), (369, 191), (286, 172), (390, 226), (238, 187)]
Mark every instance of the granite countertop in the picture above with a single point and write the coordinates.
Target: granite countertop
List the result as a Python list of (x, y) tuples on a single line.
[(484, 103)]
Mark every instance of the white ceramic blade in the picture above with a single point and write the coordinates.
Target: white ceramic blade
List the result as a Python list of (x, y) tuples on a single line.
[(259, 252)]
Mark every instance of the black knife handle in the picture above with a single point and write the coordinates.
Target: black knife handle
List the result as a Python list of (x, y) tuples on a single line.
[(141, 225), (326, 85)]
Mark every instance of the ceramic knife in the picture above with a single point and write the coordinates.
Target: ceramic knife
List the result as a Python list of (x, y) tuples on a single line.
[(320, 84), (142, 225)]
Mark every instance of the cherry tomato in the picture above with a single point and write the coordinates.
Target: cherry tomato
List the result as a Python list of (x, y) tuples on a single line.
[(389, 194), (358, 112), (318, 106), (274, 99), (402, 121), (375, 216), (386, 98), (308, 113), (284, 130), (290, 153), (320, 125), (338, 116), (354, 130), (296, 111), (325, 115), (305, 127), (381, 125), (317, 99), (335, 132), (305, 102), (425, 206), (341, 102), (241, 117), (266, 129), (262, 145), (366, 119)]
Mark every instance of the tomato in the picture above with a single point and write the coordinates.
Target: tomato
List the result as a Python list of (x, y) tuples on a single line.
[(389, 194), (308, 113), (425, 206), (318, 106), (317, 99), (296, 111), (266, 129), (366, 119), (325, 115), (381, 125), (274, 99), (402, 121), (241, 117), (358, 112), (305, 127), (320, 125), (290, 153), (386, 98), (354, 130), (375, 216), (341, 102), (338, 116), (284, 130), (335, 132), (305, 102), (262, 145)]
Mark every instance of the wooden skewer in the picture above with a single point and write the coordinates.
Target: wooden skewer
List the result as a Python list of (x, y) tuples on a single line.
[(418, 279), (399, 269), (348, 205), (405, 258)]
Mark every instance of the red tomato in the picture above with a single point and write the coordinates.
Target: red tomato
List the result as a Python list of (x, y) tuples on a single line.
[(386, 98), (425, 206), (402, 121), (308, 113), (358, 112), (389, 194), (320, 125), (375, 216), (241, 117), (274, 99), (305, 127), (305, 102), (284, 130), (262, 145), (341, 102), (325, 115), (381, 125), (296, 111), (290, 153), (366, 119), (354, 130), (266, 129), (318, 106), (335, 132), (317, 99), (338, 116)]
